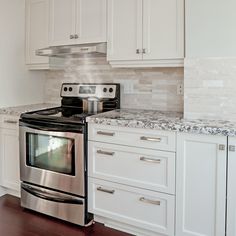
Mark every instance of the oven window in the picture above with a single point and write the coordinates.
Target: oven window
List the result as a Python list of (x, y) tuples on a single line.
[(50, 153)]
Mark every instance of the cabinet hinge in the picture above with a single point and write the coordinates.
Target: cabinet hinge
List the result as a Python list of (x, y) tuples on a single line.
[(231, 148), (221, 147)]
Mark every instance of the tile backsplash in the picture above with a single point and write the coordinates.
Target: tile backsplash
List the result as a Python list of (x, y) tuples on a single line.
[(148, 88), (210, 88)]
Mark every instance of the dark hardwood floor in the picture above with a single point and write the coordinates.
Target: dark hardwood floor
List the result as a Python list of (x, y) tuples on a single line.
[(15, 221)]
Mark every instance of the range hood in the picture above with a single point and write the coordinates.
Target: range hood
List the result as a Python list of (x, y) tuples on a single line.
[(76, 51)]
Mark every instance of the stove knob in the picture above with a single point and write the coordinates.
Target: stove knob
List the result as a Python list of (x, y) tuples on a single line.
[(105, 90), (65, 89), (110, 90), (70, 89)]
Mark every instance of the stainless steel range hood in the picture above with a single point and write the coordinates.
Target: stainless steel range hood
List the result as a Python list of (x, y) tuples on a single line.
[(77, 51)]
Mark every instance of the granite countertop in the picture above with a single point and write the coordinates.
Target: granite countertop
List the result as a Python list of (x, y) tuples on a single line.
[(18, 110), (157, 120)]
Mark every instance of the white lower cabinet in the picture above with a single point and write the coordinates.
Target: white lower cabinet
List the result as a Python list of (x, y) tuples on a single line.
[(231, 194), (144, 209), (132, 179), (9, 155), (201, 185), (146, 188)]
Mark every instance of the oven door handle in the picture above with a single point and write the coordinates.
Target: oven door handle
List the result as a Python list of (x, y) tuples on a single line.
[(51, 197), (61, 128)]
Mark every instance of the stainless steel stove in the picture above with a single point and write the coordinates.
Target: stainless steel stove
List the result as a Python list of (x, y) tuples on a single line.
[(53, 151)]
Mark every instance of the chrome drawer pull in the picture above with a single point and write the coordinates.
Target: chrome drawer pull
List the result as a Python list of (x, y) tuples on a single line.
[(105, 133), (105, 153), (157, 161), (105, 190), (10, 121), (144, 138), (143, 199)]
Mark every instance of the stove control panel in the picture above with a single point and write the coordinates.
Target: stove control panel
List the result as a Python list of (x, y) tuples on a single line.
[(99, 91)]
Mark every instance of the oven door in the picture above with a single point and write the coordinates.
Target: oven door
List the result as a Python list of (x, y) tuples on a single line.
[(52, 156)]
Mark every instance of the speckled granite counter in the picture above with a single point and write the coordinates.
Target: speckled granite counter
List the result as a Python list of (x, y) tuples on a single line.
[(169, 121), (18, 110)]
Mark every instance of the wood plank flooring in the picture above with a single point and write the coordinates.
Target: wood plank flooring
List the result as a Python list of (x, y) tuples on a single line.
[(15, 221)]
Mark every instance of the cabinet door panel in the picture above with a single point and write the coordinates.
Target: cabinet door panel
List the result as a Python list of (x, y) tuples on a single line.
[(91, 21), (231, 195), (62, 22), (10, 169), (37, 20), (163, 30), (124, 29), (201, 185)]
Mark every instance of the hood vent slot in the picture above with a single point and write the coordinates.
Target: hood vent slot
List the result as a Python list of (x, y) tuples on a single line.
[(76, 51)]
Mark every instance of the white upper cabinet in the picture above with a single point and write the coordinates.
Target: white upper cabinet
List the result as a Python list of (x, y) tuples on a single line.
[(62, 21), (201, 185), (125, 30), (145, 33), (37, 20), (163, 29), (91, 21), (77, 22)]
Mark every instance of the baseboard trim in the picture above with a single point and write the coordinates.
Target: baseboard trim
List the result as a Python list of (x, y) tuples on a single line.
[(124, 227)]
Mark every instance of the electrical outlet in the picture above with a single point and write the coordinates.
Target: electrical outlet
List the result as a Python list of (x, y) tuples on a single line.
[(180, 89)]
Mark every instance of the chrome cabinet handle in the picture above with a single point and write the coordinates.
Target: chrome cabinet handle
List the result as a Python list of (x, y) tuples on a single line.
[(10, 121), (144, 51), (157, 161), (76, 36), (143, 199), (72, 36), (231, 148), (105, 190), (105, 153), (137, 51), (105, 133), (144, 138)]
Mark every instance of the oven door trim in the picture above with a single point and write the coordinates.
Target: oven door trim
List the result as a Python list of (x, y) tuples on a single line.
[(50, 179)]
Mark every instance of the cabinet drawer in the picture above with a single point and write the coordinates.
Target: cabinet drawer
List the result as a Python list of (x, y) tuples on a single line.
[(9, 122), (162, 140), (144, 168), (141, 208)]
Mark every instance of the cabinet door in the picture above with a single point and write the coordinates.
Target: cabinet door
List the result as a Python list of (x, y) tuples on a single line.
[(163, 29), (124, 30), (9, 142), (231, 195), (62, 22), (91, 21), (37, 20), (201, 185)]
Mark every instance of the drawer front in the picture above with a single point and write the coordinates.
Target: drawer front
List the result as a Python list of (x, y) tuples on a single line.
[(141, 208), (159, 140), (143, 168), (9, 122)]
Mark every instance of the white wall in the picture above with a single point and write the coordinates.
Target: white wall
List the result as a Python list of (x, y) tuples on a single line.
[(210, 28), (18, 86)]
